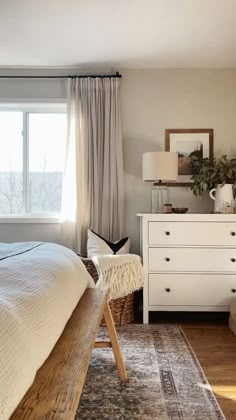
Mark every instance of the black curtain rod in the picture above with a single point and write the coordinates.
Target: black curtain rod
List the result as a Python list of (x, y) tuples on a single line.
[(80, 76)]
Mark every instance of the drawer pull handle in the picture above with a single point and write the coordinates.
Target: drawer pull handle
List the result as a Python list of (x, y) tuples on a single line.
[(167, 233), (232, 233), (233, 259), (167, 259), (233, 290), (167, 289)]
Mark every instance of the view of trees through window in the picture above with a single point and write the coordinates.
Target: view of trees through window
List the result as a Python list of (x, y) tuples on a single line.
[(32, 154)]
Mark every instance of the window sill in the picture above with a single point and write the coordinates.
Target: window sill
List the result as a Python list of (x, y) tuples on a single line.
[(31, 219)]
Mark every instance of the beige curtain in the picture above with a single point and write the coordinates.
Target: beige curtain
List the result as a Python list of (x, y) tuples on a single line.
[(93, 193)]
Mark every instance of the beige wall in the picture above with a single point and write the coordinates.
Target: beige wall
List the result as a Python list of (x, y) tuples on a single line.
[(153, 100)]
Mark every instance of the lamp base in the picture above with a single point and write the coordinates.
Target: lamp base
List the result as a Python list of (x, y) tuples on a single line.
[(160, 196)]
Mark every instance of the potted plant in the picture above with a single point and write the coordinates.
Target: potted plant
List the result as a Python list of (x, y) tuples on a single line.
[(216, 176)]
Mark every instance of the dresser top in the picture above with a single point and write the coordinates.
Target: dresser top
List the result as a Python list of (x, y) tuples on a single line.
[(188, 217)]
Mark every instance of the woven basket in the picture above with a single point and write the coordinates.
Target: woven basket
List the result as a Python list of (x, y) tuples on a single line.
[(122, 309)]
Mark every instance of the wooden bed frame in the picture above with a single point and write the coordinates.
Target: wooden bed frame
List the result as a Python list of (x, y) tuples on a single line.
[(56, 390)]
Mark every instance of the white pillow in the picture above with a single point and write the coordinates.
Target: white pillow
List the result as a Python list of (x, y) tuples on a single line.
[(97, 245)]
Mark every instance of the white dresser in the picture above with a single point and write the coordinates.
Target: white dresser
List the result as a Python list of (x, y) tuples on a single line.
[(189, 262)]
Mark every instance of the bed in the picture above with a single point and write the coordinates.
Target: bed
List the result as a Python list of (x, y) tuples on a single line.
[(40, 286)]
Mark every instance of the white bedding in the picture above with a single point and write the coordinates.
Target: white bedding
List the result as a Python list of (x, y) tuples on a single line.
[(39, 290)]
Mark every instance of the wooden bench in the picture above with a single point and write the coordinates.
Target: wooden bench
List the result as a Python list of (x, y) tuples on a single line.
[(56, 390)]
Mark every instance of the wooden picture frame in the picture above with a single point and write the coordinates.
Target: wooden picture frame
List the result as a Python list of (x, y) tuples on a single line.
[(200, 141)]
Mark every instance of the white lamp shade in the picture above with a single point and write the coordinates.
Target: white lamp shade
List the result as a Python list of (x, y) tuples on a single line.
[(160, 166)]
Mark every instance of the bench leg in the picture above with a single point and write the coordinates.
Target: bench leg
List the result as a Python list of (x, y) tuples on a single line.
[(114, 342)]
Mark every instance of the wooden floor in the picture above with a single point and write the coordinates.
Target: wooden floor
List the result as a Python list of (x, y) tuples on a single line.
[(215, 348)]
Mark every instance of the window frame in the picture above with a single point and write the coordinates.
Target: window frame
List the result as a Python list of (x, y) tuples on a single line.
[(26, 109)]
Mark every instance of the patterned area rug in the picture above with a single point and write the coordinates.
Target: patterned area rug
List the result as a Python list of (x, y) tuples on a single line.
[(166, 381)]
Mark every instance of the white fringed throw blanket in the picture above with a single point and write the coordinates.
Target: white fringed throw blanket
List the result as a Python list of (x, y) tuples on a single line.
[(120, 274)]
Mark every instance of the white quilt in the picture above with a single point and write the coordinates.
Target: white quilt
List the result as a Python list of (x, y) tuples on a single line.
[(39, 290)]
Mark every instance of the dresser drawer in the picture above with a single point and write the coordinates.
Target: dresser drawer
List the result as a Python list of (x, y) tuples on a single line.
[(191, 289), (192, 233), (192, 259)]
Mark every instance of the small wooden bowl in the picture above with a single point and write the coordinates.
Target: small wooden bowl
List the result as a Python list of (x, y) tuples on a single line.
[(179, 210)]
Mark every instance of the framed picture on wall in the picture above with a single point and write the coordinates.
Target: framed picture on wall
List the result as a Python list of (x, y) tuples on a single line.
[(188, 142)]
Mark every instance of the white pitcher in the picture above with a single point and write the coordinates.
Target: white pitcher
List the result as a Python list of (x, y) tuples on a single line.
[(223, 198)]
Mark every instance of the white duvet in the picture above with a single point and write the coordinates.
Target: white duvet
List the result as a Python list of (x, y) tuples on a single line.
[(39, 289)]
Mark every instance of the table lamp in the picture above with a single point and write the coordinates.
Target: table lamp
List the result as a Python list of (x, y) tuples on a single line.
[(158, 167)]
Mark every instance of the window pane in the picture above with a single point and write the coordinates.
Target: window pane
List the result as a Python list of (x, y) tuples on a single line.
[(11, 163), (47, 138)]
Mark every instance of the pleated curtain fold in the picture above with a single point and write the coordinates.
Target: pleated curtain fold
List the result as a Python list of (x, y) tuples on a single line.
[(93, 188)]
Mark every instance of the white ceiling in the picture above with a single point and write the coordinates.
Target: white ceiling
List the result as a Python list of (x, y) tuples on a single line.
[(121, 33)]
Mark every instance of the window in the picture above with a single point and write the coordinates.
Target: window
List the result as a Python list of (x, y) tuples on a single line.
[(32, 150)]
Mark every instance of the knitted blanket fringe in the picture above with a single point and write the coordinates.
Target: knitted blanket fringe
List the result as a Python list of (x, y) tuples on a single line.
[(119, 275)]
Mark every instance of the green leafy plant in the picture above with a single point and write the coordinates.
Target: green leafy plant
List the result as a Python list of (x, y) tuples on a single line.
[(207, 173)]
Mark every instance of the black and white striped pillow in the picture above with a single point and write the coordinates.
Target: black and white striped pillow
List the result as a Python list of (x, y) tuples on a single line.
[(97, 245)]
